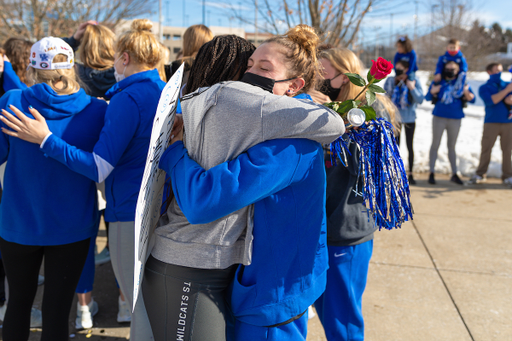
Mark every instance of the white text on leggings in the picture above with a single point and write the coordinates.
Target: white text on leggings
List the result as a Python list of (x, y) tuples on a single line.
[(180, 330)]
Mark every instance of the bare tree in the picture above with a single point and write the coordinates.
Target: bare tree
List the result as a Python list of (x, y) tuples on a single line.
[(34, 19), (337, 21)]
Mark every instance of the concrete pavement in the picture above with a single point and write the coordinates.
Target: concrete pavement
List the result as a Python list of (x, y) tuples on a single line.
[(445, 276)]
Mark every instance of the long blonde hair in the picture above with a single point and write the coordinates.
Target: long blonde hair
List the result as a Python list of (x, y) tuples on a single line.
[(166, 54), (344, 61), (140, 44), (97, 47), (51, 77)]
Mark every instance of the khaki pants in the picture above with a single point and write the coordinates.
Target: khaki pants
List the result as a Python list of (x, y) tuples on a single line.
[(489, 136)]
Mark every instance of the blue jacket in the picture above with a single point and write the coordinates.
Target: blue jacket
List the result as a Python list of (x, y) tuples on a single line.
[(452, 110), (285, 179), (445, 58), (494, 113), (409, 57), (416, 96), (44, 203), (11, 79), (120, 154)]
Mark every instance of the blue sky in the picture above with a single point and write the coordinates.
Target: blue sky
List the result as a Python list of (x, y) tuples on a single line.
[(217, 14)]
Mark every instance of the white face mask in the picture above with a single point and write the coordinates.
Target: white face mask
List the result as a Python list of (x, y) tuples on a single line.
[(119, 77)]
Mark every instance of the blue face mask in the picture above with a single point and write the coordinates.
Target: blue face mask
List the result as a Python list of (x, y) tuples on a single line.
[(496, 77)]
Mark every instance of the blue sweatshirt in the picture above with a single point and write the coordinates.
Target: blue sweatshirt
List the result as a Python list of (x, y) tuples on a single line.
[(447, 110), (410, 58), (44, 203), (494, 113), (458, 58), (11, 79), (285, 179), (416, 96), (120, 154)]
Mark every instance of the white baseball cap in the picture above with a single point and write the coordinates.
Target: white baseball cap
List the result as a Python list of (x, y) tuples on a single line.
[(43, 52)]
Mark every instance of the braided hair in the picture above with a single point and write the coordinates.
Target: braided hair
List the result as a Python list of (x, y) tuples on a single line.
[(224, 58)]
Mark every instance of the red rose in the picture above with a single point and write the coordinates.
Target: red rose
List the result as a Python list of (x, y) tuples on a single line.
[(381, 68)]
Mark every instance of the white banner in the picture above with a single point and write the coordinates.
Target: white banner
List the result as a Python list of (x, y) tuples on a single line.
[(149, 201)]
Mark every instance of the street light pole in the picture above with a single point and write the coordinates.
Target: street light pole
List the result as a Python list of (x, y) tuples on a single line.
[(160, 22), (204, 17), (256, 22)]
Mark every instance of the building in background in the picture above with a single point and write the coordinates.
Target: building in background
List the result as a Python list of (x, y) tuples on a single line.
[(172, 36)]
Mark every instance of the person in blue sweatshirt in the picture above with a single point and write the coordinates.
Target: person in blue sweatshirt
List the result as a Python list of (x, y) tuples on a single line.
[(453, 54), (405, 52), (447, 115), (406, 95), (15, 60), (497, 122), (47, 210), (119, 157)]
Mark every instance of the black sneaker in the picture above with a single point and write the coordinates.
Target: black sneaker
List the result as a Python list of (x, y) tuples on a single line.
[(431, 179), (411, 180), (455, 178)]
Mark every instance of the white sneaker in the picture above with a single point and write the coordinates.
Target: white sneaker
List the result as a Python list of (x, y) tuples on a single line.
[(476, 179), (36, 318), (508, 181), (311, 313), (84, 314), (125, 313)]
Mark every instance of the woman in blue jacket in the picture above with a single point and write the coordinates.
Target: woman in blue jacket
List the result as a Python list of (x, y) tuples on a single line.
[(119, 156), (406, 94), (47, 209), (447, 116)]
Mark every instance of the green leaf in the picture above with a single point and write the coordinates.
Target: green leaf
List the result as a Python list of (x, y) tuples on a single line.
[(356, 79), (345, 107), (370, 77), (370, 97), (370, 112), (376, 88)]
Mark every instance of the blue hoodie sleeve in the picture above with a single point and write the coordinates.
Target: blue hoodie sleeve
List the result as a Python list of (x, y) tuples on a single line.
[(4, 139), (412, 62), (463, 64), (121, 122), (474, 97), (207, 195), (439, 66), (11, 79)]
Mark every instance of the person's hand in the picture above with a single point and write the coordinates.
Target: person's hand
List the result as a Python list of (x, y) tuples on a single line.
[(319, 97), (437, 78), (81, 29), (435, 89), (177, 129), (508, 100), (410, 84), (31, 130)]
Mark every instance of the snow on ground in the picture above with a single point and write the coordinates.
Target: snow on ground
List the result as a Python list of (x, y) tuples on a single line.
[(468, 142)]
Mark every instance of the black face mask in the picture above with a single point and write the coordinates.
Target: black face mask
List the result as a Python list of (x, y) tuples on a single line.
[(262, 82), (327, 89), (449, 73), (399, 72)]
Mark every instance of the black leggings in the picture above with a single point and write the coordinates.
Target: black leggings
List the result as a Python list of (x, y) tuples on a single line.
[(409, 136), (186, 303), (62, 268)]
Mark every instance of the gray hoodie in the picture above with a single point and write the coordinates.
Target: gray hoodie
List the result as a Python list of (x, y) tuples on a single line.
[(221, 122)]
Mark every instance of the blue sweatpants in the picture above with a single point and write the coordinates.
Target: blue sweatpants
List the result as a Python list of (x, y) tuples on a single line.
[(293, 331), (340, 306)]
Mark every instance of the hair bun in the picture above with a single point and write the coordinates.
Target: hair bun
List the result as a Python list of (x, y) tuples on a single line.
[(305, 36), (142, 25)]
